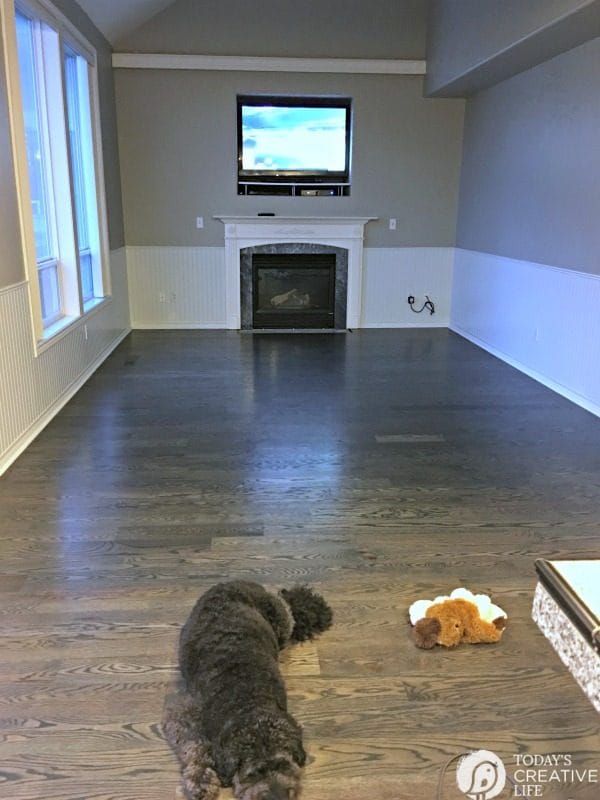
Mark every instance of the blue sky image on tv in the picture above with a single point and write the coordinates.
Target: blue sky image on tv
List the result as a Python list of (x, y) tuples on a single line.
[(293, 138)]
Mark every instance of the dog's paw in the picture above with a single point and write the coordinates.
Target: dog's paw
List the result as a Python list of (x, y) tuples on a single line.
[(199, 782)]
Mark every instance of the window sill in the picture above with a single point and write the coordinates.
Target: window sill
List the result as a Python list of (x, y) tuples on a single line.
[(91, 305), (66, 325)]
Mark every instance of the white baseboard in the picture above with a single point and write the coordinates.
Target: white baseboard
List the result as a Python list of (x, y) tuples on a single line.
[(17, 447), (404, 325), (578, 399), (179, 326)]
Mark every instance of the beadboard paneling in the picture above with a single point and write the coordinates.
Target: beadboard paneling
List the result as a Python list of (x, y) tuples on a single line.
[(184, 287), (177, 287), (33, 388), (392, 273), (541, 319)]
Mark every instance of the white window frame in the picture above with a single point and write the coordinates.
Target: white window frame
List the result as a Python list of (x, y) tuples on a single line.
[(76, 311)]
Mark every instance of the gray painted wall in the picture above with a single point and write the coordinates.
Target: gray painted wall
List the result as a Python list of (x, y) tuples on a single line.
[(530, 186), (475, 43), (177, 139), (11, 259), (337, 28)]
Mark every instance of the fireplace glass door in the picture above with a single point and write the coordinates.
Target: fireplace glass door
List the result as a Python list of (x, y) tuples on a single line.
[(293, 290)]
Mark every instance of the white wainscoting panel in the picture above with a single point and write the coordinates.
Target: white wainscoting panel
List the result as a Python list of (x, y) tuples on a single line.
[(390, 274), (177, 287), (540, 319), (185, 287), (34, 388)]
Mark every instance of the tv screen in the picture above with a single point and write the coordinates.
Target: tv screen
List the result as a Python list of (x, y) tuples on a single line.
[(293, 138)]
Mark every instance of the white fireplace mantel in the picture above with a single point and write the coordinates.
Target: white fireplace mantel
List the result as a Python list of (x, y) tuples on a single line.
[(345, 232)]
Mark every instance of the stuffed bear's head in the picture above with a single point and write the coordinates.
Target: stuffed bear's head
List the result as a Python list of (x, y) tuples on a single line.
[(426, 632)]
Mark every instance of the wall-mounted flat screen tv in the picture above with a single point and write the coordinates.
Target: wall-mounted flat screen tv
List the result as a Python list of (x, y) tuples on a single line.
[(294, 139)]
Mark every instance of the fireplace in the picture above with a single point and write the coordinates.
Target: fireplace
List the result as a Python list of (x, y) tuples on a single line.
[(293, 285), (293, 290), (266, 233)]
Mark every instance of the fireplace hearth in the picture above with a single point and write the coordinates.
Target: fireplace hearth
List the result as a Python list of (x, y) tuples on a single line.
[(293, 290)]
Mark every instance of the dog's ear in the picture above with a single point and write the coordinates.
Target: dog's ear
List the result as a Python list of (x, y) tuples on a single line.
[(311, 613), (426, 632)]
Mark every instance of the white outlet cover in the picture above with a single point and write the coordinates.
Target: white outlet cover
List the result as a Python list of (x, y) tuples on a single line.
[(199, 222)]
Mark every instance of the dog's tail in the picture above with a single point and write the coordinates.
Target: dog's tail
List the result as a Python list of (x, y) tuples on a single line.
[(311, 613)]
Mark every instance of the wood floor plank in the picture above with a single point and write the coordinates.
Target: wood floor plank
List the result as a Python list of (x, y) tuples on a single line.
[(194, 457)]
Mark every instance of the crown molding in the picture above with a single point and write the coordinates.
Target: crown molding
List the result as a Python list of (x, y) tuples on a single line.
[(377, 66)]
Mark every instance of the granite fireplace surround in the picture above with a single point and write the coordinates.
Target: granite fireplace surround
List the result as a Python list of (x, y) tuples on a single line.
[(290, 248)]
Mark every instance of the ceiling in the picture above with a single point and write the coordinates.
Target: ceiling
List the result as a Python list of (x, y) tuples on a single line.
[(117, 18)]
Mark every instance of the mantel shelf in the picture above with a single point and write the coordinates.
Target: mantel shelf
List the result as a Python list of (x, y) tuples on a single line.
[(279, 219)]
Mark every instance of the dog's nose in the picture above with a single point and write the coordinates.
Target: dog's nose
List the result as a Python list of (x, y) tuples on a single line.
[(278, 792)]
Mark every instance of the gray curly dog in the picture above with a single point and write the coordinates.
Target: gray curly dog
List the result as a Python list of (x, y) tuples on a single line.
[(230, 725)]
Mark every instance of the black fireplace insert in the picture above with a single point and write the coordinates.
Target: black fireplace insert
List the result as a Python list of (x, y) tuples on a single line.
[(293, 290)]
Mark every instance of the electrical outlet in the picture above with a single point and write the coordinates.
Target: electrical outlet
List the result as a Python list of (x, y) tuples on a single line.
[(199, 222), (411, 299), (393, 222)]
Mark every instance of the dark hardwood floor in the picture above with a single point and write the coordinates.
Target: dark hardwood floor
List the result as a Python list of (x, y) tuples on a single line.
[(194, 457)]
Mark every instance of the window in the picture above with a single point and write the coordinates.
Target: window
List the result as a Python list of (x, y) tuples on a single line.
[(81, 156), (56, 76), (36, 144)]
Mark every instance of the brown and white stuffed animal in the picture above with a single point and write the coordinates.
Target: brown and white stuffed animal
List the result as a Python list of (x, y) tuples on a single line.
[(460, 617)]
